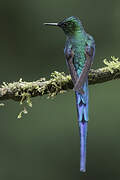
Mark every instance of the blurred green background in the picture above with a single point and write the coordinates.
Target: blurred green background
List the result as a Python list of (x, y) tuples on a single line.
[(45, 143)]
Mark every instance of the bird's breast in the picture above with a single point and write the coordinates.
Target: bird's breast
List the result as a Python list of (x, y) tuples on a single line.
[(79, 59)]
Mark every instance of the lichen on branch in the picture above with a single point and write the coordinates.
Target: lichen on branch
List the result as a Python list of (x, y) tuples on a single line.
[(58, 83)]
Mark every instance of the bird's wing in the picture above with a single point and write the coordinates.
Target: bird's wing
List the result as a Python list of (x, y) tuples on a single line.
[(89, 54), (70, 57), (69, 54), (71, 67)]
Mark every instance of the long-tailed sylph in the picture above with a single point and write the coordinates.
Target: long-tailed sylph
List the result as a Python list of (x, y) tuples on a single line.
[(79, 52)]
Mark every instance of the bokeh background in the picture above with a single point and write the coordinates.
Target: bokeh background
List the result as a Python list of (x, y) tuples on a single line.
[(44, 144)]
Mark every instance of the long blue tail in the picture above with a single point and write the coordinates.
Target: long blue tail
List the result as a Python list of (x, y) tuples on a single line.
[(82, 109)]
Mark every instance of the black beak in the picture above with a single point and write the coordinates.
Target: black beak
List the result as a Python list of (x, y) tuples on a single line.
[(51, 24)]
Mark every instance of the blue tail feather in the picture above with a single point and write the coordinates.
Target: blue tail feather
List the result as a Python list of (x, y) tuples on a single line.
[(83, 136), (82, 109)]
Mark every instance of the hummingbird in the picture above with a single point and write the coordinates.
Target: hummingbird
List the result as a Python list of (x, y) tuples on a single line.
[(79, 53)]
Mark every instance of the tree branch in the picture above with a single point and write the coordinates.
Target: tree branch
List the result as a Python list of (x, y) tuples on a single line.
[(58, 83)]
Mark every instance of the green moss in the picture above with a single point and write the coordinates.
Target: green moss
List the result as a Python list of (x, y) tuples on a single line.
[(24, 111), (112, 65), (57, 81), (23, 91)]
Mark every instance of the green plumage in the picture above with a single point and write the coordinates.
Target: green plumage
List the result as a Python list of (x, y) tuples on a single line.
[(78, 44)]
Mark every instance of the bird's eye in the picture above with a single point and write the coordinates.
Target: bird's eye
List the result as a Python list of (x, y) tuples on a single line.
[(64, 25), (68, 23)]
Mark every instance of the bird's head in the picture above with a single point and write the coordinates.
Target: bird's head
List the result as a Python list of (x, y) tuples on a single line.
[(70, 25)]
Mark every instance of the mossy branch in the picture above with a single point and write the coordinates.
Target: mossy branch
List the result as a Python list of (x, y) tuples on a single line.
[(58, 83)]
